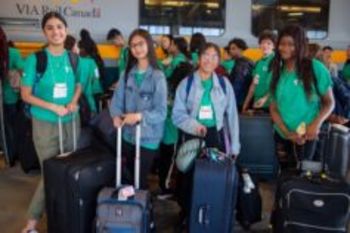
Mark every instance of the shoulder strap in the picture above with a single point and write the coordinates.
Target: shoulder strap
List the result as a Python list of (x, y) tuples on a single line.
[(222, 83), (74, 60), (41, 62), (189, 84), (190, 81)]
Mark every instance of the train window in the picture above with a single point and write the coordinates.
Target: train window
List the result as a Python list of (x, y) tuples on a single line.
[(183, 17), (313, 15)]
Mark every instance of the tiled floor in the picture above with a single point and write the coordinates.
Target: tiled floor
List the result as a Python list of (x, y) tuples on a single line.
[(17, 188)]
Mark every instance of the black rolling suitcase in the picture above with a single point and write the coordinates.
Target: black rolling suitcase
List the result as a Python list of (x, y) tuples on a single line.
[(312, 202), (338, 153), (309, 205), (72, 184), (214, 194), (258, 153)]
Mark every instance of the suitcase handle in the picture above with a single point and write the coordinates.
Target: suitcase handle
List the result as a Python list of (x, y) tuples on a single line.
[(60, 133), (137, 157), (203, 215)]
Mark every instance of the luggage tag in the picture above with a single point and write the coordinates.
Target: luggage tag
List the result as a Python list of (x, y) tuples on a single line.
[(126, 192), (60, 90), (206, 113)]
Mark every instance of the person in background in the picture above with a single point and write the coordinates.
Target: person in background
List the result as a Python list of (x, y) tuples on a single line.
[(174, 74), (197, 42), (90, 77), (178, 50), (327, 60), (88, 46), (11, 101), (227, 62), (165, 44), (260, 87), (140, 97), (346, 68), (203, 110), (241, 74), (302, 98), (56, 96), (314, 51), (115, 37)]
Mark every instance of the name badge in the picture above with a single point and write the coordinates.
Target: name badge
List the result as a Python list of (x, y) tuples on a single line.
[(206, 113), (60, 90)]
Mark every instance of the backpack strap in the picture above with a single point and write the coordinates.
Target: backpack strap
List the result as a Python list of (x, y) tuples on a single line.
[(222, 84), (190, 81), (189, 85), (41, 64), (74, 61)]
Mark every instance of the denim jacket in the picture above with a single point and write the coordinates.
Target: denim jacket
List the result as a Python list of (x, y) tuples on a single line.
[(185, 112), (150, 100)]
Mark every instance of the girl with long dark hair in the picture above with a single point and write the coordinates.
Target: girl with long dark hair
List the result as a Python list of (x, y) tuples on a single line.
[(52, 98), (302, 97), (140, 97)]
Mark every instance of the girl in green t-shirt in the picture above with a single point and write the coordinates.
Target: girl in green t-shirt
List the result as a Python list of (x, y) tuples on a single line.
[(56, 96), (302, 97), (197, 42), (259, 88)]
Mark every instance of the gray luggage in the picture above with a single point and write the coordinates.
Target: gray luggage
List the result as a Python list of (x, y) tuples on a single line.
[(130, 215)]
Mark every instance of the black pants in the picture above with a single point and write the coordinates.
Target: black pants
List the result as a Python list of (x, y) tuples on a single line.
[(164, 163), (146, 160), (11, 130), (288, 153), (213, 138)]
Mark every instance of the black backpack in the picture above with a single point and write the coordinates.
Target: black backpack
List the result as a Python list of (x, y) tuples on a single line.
[(241, 78), (183, 70)]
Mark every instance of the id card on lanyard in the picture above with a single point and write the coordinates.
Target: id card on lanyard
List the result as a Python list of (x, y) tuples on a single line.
[(206, 112), (60, 90)]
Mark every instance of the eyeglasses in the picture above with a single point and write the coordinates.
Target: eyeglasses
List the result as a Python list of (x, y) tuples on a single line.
[(138, 44), (209, 57)]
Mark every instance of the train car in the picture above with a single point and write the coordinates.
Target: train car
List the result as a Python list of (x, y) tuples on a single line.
[(326, 21)]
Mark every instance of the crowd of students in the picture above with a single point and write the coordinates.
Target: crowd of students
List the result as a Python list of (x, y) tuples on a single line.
[(190, 93)]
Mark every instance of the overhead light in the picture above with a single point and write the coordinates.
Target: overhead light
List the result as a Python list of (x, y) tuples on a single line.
[(308, 9), (295, 14), (173, 3)]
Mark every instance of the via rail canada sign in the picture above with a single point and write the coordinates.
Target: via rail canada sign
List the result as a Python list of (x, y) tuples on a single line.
[(67, 8)]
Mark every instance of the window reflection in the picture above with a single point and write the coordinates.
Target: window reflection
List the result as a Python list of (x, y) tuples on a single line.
[(183, 17), (313, 15)]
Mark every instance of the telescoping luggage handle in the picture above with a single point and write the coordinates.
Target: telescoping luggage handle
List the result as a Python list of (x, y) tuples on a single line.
[(137, 157), (60, 134)]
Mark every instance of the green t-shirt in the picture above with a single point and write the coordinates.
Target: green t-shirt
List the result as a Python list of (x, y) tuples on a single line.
[(11, 95), (206, 114), (123, 58), (194, 58), (346, 72), (90, 81), (171, 133), (262, 78), (293, 104), (57, 85), (228, 65), (174, 63)]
